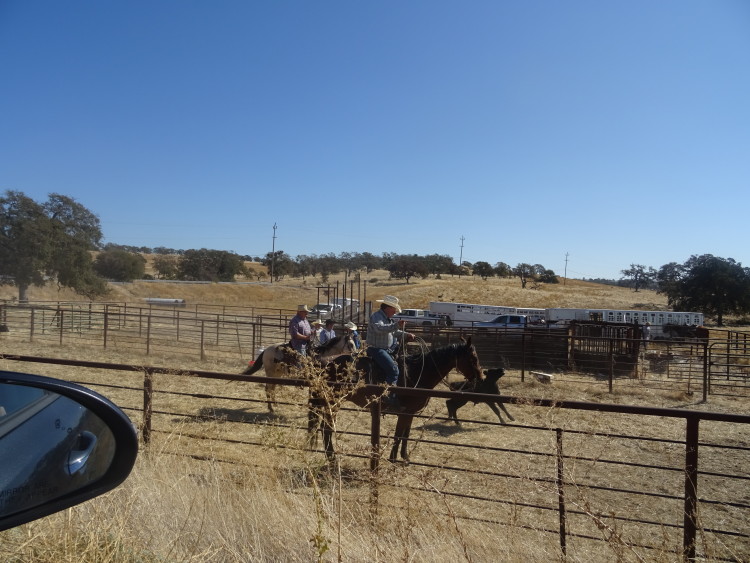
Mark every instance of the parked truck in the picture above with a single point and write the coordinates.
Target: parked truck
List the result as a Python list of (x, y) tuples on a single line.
[(505, 321), (420, 317), (469, 314)]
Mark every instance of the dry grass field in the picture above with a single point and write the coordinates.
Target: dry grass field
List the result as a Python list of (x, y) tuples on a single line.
[(290, 292), (260, 495)]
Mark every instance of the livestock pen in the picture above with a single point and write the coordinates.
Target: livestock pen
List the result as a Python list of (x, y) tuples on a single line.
[(585, 479)]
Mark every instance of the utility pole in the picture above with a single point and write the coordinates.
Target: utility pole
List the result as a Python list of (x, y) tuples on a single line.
[(565, 277), (273, 250), (461, 257)]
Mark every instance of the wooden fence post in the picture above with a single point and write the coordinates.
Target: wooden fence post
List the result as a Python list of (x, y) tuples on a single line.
[(31, 327)]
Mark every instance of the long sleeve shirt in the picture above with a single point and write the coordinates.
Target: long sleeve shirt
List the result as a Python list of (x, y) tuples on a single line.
[(326, 335), (381, 331)]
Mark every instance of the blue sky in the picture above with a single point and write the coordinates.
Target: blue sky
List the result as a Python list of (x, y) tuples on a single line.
[(613, 132)]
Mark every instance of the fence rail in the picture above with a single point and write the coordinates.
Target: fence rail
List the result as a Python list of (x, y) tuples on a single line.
[(718, 365), (573, 483)]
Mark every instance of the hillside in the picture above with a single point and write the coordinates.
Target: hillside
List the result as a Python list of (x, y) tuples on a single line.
[(288, 293)]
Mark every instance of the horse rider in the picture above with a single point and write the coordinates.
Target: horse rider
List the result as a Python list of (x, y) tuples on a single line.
[(317, 328), (350, 329), (327, 333), (383, 334), (300, 331)]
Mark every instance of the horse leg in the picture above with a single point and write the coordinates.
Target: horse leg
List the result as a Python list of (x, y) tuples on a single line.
[(401, 437), (270, 396), (453, 405), (494, 408), (313, 423), (505, 410), (321, 416)]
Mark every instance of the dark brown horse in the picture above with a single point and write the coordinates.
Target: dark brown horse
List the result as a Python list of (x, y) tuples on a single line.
[(423, 371), (487, 386)]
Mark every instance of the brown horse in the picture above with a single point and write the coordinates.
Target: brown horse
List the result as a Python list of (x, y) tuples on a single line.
[(423, 371), (486, 386), (281, 360)]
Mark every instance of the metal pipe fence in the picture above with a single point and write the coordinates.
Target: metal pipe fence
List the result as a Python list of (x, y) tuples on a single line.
[(716, 365), (575, 480)]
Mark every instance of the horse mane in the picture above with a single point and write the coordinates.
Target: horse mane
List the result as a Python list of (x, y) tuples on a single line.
[(439, 355), (329, 344)]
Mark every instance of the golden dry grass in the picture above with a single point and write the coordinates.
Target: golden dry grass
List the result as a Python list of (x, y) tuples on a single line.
[(290, 292), (277, 502)]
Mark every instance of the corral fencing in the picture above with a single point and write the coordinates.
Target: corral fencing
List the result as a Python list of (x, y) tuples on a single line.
[(202, 331), (675, 487), (716, 365), (593, 354)]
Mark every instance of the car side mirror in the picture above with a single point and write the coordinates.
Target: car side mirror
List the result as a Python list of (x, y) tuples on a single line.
[(60, 444)]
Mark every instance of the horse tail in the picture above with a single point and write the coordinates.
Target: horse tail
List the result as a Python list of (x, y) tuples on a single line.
[(251, 369)]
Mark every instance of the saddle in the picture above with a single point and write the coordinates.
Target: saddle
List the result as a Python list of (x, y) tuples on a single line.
[(374, 373)]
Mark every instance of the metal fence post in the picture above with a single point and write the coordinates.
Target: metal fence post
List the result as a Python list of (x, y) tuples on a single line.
[(690, 523), (60, 324), (203, 336), (148, 334), (106, 325), (561, 490), (31, 327), (375, 416), (148, 395), (218, 320), (706, 380)]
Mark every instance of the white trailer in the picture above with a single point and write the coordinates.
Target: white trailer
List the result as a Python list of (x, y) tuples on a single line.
[(657, 319), (466, 314)]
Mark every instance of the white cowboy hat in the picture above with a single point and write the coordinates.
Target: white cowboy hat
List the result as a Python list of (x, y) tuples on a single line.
[(317, 322), (350, 325), (391, 301), (303, 308)]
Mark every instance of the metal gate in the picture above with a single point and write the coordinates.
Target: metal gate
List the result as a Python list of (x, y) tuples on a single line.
[(729, 366)]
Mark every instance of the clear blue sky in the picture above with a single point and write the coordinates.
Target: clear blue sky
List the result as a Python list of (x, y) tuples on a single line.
[(616, 132)]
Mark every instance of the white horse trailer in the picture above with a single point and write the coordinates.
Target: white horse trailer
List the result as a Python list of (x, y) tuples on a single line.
[(467, 314), (657, 319)]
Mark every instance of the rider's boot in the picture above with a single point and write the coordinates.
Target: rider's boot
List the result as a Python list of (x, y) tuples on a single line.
[(391, 402)]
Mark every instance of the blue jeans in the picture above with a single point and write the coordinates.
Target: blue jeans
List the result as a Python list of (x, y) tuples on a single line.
[(386, 363)]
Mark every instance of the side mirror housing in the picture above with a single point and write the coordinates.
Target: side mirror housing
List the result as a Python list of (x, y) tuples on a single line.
[(61, 444)]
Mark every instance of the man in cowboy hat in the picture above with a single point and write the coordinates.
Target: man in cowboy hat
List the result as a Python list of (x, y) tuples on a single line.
[(317, 330), (351, 329), (300, 331), (382, 334)]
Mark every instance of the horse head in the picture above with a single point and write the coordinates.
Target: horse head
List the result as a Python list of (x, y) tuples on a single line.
[(467, 361), (335, 347)]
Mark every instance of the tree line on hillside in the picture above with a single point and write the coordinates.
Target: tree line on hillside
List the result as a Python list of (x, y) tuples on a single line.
[(54, 241)]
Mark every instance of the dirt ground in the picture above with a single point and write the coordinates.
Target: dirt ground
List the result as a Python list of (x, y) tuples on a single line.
[(624, 474)]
